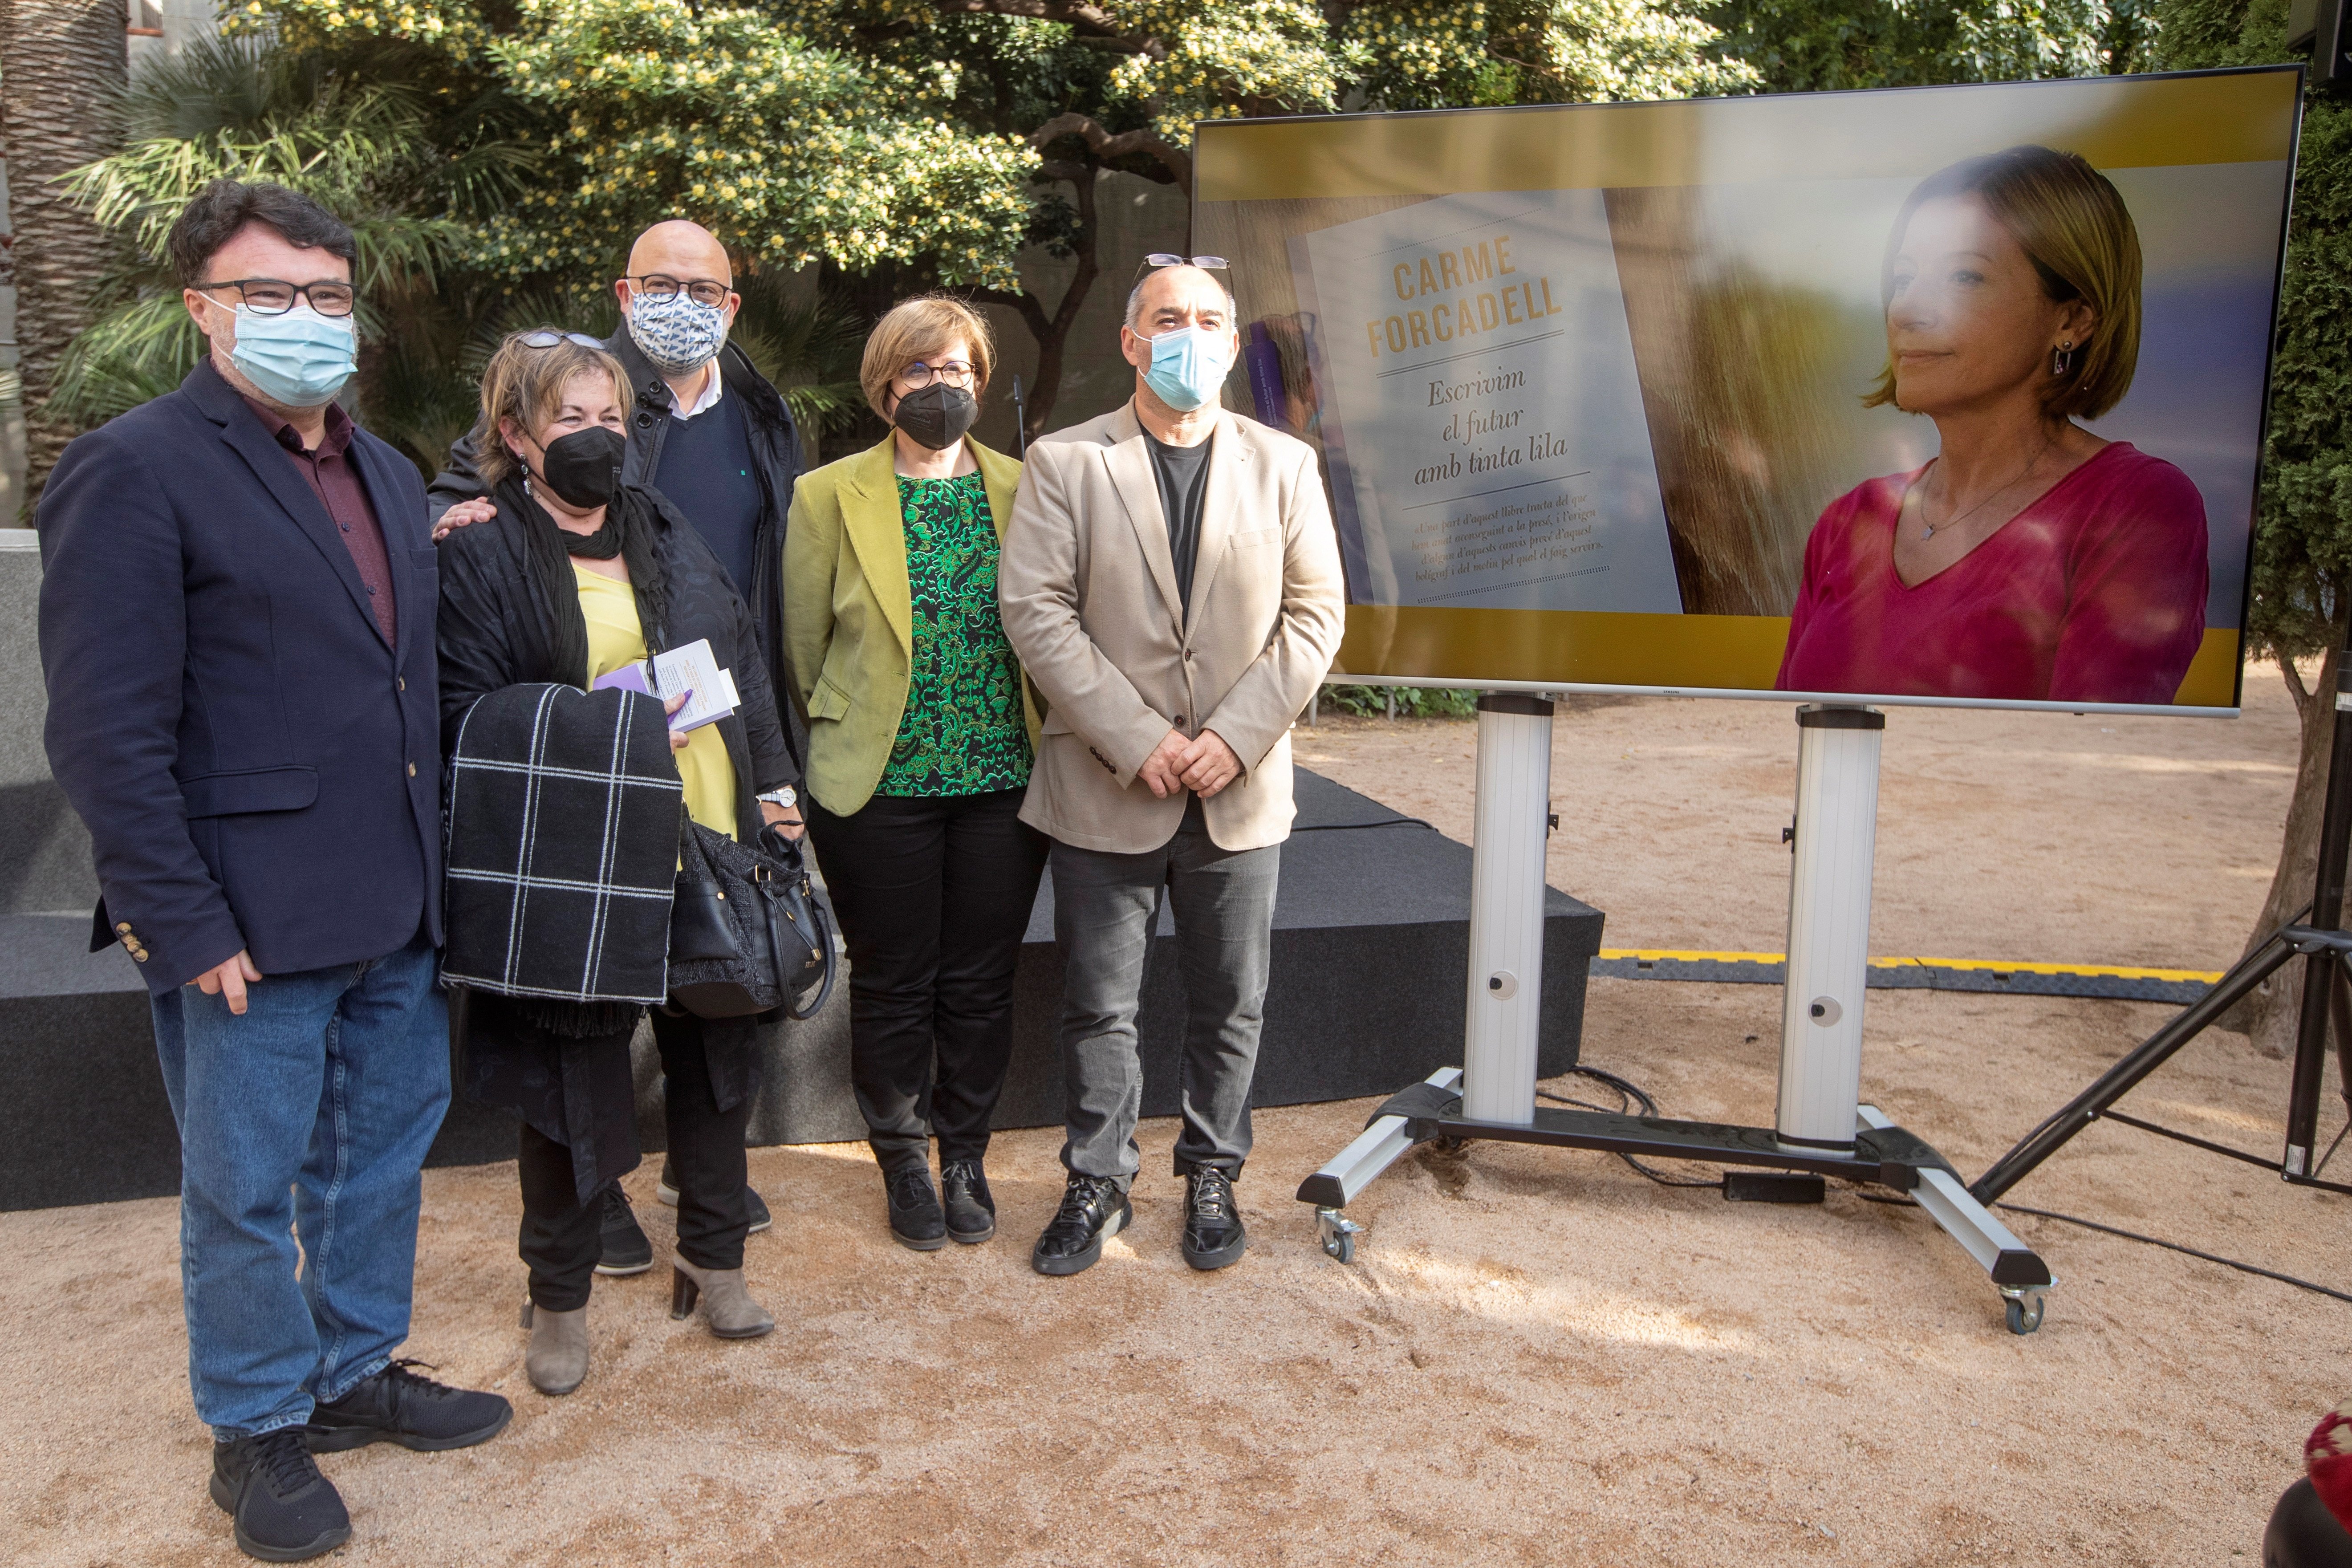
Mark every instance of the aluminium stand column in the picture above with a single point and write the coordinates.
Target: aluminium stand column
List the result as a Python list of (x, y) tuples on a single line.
[(1506, 908)]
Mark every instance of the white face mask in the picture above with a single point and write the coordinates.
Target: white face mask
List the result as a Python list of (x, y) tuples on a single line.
[(676, 333)]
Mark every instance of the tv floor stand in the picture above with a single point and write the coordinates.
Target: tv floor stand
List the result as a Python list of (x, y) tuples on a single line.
[(1821, 1128)]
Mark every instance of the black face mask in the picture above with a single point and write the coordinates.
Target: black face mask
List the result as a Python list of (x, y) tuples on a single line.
[(584, 469), (938, 416)]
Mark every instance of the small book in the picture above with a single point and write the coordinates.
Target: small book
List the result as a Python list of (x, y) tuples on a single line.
[(710, 689)]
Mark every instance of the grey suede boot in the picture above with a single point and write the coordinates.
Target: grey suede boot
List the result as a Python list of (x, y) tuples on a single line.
[(727, 1306), (558, 1358)]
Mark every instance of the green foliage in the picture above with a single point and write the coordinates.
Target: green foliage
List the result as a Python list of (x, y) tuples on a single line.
[(650, 109), (2302, 544), (1411, 702), (403, 173), (1802, 46), (1432, 55)]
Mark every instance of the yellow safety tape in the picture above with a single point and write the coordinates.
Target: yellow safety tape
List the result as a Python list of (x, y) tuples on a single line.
[(2004, 966)]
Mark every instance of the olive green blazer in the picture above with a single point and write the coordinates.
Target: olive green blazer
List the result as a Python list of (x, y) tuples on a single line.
[(849, 616)]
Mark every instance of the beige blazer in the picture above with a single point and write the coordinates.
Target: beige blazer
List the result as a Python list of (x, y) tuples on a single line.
[(849, 614), (1087, 587)]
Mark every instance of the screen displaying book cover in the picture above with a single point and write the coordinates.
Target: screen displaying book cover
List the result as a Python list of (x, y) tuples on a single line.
[(1939, 395)]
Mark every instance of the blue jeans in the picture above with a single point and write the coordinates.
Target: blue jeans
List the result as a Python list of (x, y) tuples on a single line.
[(308, 1117)]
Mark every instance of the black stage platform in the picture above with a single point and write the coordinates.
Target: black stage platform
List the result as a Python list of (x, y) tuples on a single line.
[(1371, 938)]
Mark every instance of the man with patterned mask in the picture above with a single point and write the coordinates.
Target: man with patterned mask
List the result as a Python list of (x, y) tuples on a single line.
[(714, 437)]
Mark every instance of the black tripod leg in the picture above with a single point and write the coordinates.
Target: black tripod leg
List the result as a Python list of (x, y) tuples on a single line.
[(2321, 974), (2119, 1080), (2339, 1012)]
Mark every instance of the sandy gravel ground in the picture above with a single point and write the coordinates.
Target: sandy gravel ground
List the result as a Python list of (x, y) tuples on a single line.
[(1540, 1359)]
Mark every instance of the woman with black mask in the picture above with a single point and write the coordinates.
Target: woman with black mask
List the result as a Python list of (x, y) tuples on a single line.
[(575, 577), (921, 736)]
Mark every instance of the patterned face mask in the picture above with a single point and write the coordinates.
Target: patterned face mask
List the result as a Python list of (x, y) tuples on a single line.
[(676, 333)]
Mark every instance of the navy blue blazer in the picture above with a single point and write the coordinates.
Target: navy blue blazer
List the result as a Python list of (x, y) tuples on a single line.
[(257, 766)]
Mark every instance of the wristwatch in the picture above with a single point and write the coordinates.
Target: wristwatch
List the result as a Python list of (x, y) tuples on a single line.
[(787, 798)]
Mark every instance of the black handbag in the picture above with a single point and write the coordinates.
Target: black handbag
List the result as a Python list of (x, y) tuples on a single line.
[(746, 932)]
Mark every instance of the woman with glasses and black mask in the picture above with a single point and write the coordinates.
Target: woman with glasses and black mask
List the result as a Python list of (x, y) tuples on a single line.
[(920, 737), (576, 576)]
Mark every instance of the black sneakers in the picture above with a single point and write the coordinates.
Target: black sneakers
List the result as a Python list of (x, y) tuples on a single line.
[(915, 1217), (972, 1208), (1214, 1235), (1092, 1209), (284, 1509), (667, 1191), (625, 1249), (396, 1405)]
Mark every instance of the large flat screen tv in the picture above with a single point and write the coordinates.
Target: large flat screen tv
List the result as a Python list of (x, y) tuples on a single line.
[(1942, 395)]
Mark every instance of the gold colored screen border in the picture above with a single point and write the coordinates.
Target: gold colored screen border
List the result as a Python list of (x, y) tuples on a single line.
[(2219, 117), (1597, 648)]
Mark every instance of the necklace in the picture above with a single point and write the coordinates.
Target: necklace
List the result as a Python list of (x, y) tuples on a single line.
[(1928, 530)]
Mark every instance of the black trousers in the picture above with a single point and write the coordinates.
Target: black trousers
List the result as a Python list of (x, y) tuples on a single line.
[(561, 1236), (933, 893)]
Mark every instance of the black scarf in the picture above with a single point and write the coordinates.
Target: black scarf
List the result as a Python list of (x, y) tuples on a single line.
[(630, 532)]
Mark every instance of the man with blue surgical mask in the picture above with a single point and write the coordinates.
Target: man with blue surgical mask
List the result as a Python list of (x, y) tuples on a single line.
[(714, 437), (1170, 582), (237, 608)]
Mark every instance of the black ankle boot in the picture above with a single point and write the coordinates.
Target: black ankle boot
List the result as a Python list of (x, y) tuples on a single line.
[(1214, 1235), (915, 1217), (972, 1208), (283, 1507), (1093, 1208), (624, 1248)]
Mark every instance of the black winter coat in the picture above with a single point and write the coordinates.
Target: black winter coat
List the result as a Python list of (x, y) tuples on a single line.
[(495, 632), (495, 627), (776, 459)]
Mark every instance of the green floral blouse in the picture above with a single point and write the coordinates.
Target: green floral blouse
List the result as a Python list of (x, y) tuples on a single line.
[(964, 733)]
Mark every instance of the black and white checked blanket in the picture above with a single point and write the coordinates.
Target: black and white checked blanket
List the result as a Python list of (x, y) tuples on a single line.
[(563, 838)]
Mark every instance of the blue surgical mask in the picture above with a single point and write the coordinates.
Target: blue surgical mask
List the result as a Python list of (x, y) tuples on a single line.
[(299, 359), (1188, 366), (677, 333)]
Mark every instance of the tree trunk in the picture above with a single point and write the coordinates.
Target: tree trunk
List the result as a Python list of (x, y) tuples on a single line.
[(2269, 1016), (61, 61), (1053, 332)]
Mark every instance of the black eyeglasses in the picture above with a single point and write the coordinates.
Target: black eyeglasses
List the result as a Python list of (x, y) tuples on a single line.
[(701, 290), (546, 338), (1159, 259), (274, 296)]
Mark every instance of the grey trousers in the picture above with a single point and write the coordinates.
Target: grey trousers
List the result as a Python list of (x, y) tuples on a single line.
[(1105, 907)]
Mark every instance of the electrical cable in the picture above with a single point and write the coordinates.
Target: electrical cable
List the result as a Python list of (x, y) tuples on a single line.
[(1383, 822), (1630, 1093)]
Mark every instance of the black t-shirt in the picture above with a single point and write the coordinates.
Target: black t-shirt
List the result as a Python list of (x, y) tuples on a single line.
[(708, 471), (1183, 476)]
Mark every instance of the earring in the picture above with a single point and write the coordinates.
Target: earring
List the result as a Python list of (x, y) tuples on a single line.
[(2062, 358)]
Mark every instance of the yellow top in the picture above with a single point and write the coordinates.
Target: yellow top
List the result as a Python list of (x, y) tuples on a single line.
[(616, 638)]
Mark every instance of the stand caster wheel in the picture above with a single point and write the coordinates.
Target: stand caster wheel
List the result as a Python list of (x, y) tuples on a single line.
[(2024, 1310), (1338, 1233)]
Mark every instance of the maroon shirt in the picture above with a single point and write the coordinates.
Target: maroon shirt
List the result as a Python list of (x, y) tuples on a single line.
[(337, 485), (2094, 593)]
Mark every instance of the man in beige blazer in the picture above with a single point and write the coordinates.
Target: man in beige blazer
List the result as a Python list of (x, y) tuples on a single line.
[(1172, 585)]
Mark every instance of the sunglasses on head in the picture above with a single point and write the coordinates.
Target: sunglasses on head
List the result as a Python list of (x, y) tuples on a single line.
[(544, 338), (1159, 259)]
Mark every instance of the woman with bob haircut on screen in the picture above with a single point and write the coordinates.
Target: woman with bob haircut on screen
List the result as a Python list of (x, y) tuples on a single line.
[(2030, 560)]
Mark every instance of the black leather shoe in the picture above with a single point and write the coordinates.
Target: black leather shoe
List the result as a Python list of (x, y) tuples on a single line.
[(915, 1217), (1093, 1209), (972, 1208), (625, 1249), (667, 1191), (283, 1508), (396, 1405), (1214, 1235)]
